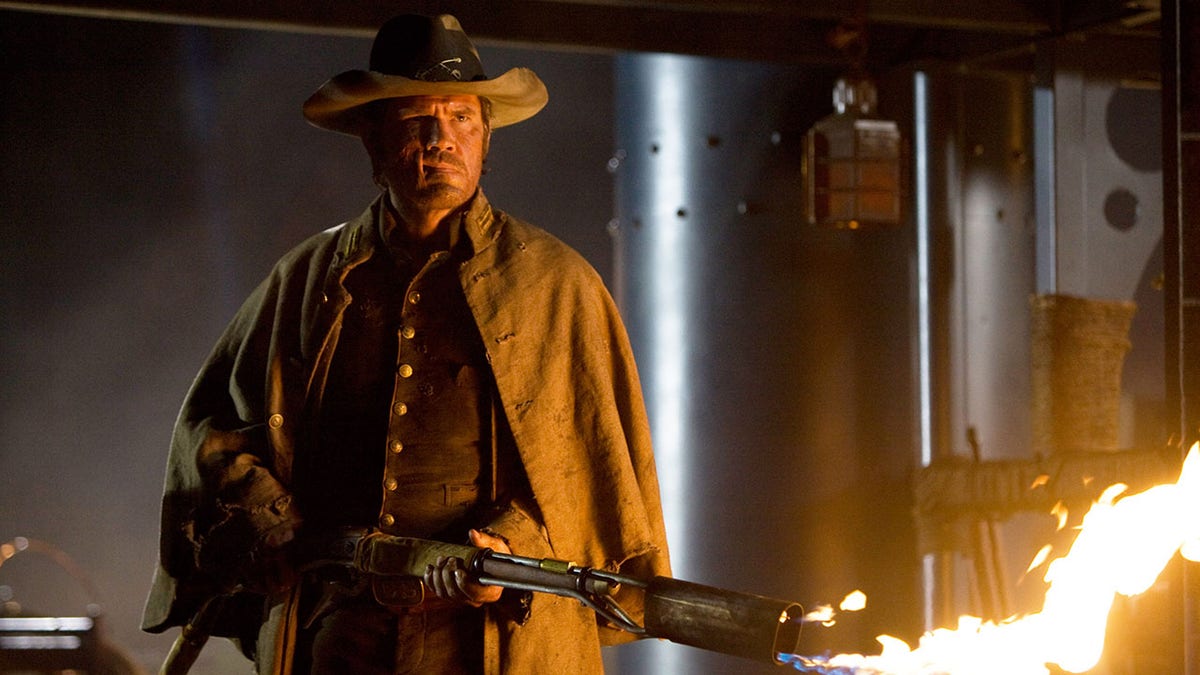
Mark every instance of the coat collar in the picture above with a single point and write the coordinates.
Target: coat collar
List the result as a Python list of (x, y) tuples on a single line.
[(361, 236)]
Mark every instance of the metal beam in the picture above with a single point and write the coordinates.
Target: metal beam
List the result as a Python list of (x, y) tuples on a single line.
[(1181, 258), (900, 31)]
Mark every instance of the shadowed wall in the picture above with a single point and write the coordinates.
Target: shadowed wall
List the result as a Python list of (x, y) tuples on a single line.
[(151, 175)]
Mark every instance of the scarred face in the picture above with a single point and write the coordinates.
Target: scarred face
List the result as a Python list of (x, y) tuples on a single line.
[(428, 151)]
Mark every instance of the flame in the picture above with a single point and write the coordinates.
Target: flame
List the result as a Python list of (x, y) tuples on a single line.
[(1061, 512), (1039, 558), (853, 602), (1122, 546), (823, 614)]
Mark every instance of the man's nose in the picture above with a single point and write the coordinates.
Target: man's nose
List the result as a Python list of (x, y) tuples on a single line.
[(437, 134)]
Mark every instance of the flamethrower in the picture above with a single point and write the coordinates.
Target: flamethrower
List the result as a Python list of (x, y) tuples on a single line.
[(715, 619), (710, 618)]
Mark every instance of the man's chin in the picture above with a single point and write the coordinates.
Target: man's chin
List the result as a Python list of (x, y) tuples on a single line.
[(441, 196)]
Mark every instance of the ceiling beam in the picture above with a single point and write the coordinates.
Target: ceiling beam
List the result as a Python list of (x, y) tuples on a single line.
[(791, 32)]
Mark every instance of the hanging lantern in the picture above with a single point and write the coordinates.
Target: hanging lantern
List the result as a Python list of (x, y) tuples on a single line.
[(852, 162)]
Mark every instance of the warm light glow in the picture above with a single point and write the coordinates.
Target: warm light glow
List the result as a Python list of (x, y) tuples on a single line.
[(1039, 558), (10, 549), (1060, 511), (822, 614), (1122, 547), (854, 602)]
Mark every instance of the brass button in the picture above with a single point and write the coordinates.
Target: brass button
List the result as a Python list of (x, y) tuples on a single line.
[(275, 421), (405, 370), (391, 484), (400, 409), (414, 297), (408, 332), (395, 446), (387, 520)]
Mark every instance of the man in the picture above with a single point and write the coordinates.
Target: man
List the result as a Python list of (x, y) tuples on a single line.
[(434, 368)]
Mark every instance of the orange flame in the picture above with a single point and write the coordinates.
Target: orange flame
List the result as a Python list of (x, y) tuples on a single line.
[(823, 614), (1122, 547), (853, 602)]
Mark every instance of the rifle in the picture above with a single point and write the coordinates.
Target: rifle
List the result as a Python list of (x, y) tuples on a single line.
[(706, 617), (193, 637)]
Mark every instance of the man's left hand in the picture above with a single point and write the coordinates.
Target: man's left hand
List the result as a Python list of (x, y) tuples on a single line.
[(449, 581)]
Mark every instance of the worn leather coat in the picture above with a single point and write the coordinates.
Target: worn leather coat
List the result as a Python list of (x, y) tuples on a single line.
[(567, 385)]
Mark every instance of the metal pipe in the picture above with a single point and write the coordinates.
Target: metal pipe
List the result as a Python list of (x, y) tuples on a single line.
[(738, 624)]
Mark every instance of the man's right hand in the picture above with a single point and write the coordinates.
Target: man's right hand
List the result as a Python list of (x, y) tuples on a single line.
[(449, 581)]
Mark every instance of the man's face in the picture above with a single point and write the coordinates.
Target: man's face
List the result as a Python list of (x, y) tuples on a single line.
[(429, 151)]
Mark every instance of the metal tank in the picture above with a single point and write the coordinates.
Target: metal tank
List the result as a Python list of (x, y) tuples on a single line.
[(776, 357), (976, 220)]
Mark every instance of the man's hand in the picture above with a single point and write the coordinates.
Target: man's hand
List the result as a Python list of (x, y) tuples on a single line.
[(272, 569), (449, 581), (248, 546)]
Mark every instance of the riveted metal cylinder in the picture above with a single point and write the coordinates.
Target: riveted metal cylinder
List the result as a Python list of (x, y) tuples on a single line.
[(774, 355)]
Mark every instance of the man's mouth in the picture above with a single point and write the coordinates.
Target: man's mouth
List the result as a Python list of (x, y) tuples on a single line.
[(442, 164)]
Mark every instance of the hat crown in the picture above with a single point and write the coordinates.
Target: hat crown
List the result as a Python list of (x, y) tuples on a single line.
[(417, 55), (430, 49)]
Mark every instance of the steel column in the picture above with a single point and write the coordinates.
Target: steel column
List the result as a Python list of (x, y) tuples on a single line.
[(1181, 244)]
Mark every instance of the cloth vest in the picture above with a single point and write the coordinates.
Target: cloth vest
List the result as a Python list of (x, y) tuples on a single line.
[(405, 428)]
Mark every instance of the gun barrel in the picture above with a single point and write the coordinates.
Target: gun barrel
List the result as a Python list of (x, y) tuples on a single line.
[(739, 624)]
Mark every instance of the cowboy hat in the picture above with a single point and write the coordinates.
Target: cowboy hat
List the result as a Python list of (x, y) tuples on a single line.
[(422, 56)]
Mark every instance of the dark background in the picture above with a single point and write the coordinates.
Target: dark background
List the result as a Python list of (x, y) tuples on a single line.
[(150, 175)]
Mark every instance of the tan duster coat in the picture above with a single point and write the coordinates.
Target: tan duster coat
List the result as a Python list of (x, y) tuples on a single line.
[(567, 385)]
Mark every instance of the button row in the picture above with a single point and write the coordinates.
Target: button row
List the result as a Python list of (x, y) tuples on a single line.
[(395, 446)]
